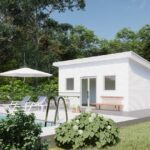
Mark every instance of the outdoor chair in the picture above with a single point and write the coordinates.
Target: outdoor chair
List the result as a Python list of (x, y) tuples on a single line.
[(15, 104), (40, 104)]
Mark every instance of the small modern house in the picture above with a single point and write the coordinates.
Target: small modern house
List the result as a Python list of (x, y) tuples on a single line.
[(118, 81)]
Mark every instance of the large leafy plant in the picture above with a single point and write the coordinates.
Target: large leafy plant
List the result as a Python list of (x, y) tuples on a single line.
[(19, 132), (15, 90), (49, 88), (87, 130)]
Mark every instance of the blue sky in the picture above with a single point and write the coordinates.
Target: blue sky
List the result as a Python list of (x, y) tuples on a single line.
[(107, 17)]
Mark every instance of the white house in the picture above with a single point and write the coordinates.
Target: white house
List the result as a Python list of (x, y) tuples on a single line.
[(115, 81)]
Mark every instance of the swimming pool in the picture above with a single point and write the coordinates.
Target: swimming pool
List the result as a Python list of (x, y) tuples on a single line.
[(38, 121), (2, 116)]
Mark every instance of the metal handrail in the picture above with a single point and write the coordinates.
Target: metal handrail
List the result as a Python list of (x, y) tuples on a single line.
[(65, 106), (57, 107), (48, 105)]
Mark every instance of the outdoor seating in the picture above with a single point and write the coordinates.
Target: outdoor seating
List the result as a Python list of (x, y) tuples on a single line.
[(40, 104), (110, 101), (15, 104)]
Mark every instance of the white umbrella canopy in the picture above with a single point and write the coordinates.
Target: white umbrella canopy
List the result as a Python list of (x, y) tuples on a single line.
[(25, 72)]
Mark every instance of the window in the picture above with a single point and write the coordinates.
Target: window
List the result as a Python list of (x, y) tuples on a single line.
[(70, 84), (110, 82)]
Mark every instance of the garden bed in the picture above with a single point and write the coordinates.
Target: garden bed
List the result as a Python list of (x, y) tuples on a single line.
[(132, 137)]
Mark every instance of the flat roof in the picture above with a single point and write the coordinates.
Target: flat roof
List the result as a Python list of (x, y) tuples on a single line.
[(130, 54)]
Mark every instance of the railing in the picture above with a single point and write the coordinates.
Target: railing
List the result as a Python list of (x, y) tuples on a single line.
[(48, 105), (65, 106), (56, 101)]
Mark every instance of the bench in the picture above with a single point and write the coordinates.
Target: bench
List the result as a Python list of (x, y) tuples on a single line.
[(117, 106), (115, 99)]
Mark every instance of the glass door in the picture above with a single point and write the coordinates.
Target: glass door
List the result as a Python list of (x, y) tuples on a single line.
[(84, 92), (88, 91)]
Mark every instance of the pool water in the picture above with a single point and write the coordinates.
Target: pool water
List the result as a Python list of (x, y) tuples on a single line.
[(41, 122), (2, 116)]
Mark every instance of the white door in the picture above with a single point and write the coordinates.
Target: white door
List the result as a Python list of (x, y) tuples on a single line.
[(88, 91)]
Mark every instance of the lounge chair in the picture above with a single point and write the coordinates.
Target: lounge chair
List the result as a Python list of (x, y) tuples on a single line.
[(40, 104), (15, 104)]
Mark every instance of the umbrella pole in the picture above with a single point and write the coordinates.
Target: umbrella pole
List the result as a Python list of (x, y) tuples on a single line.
[(24, 80)]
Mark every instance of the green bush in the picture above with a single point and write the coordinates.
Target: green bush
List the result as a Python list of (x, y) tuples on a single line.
[(19, 132), (87, 130), (49, 88), (16, 90)]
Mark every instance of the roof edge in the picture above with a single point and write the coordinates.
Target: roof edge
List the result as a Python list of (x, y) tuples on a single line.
[(92, 59), (129, 54)]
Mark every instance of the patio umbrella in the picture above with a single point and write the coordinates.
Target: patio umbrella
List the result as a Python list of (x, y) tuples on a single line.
[(25, 72)]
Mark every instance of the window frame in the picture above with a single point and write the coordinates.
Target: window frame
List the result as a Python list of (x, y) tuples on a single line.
[(105, 83), (67, 84)]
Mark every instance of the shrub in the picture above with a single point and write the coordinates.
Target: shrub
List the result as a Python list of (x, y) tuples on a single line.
[(19, 132), (87, 130), (49, 88), (16, 90)]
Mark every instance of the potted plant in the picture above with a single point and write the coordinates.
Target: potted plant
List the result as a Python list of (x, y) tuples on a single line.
[(73, 108), (76, 109)]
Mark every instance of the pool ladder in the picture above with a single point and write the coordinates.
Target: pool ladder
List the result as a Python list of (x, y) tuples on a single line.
[(56, 102)]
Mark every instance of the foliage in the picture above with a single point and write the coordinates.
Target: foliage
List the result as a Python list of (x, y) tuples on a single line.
[(83, 42), (19, 132), (17, 89), (87, 130), (21, 34), (128, 40), (134, 137), (44, 40), (49, 88), (130, 139)]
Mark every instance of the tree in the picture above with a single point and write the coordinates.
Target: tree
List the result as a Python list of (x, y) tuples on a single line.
[(144, 41), (125, 35), (27, 17), (84, 42)]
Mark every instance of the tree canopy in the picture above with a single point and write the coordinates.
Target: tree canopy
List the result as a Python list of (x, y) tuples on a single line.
[(26, 28)]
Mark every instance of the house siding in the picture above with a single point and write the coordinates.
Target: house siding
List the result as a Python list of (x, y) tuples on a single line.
[(118, 67), (139, 86)]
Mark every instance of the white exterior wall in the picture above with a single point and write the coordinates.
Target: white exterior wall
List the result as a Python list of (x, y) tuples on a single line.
[(139, 86), (118, 67)]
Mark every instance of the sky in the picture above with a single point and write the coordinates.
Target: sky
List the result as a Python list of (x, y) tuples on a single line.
[(107, 17)]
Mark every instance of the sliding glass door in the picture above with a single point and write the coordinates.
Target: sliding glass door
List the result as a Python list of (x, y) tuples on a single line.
[(88, 91)]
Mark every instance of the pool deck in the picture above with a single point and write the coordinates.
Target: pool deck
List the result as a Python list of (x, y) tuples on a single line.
[(135, 114), (40, 115), (127, 118), (121, 118)]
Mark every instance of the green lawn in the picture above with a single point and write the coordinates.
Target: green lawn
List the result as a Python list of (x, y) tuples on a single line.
[(135, 137)]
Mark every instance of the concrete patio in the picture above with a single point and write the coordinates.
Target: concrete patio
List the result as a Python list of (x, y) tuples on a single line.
[(121, 118), (129, 118)]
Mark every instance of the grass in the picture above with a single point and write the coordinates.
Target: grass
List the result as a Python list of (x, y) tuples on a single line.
[(135, 137)]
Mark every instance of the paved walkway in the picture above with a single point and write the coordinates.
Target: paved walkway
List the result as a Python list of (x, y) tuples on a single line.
[(136, 114)]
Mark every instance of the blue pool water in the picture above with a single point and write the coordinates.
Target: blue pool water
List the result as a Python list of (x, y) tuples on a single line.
[(41, 122), (2, 116)]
